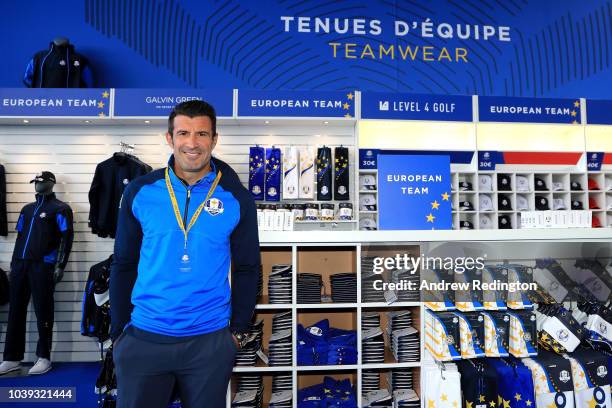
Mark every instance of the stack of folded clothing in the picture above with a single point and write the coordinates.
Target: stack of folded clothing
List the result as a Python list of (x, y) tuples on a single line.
[(370, 293), (282, 394), (249, 392), (331, 393), (321, 345), (279, 347), (279, 284), (404, 338), (370, 381), (309, 288), (405, 276), (344, 287), (398, 393)]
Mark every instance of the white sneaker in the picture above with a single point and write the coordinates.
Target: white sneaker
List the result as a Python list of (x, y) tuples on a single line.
[(8, 366), (42, 366)]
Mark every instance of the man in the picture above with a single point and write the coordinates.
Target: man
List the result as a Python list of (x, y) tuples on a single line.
[(174, 321)]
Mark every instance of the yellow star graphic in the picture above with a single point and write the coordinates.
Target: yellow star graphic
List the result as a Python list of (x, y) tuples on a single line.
[(469, 404), (499, 400), (492, 404), (348, 115), (349, 96), (528, 403), (101, 114), (444, 397), (435, 205), (100, 104), (543, 378), (431, 404), (430, 218), (517, 396), (346, 106), (573, 113), (581, 374), (445, 197), (105, 94), (577, 104), (481, 398), (592, 403), (506, 404)]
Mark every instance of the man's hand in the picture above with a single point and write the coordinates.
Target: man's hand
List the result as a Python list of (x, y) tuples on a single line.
[(58, 274), (236, 342)]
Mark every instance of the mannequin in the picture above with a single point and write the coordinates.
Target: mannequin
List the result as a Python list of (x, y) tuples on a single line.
[(59, 66), (45, 188), (44, 239), (61, 41)]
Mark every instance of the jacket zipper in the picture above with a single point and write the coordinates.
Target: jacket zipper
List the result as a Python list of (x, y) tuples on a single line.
[(186, 207), (42, 65), (67, 69), (31, 224)]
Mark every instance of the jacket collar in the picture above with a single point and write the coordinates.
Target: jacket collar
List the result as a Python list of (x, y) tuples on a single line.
[(44, 197), (207, 179)]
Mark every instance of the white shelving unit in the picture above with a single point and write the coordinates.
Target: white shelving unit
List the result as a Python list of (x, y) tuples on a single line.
[(306, 249)]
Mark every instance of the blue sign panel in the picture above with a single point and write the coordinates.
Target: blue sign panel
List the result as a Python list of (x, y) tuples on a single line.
[(54, 102), (599, 112), (531, 110), (368, 158), (488, 159), (377, 105), (594, 160), (296, 104), (414, 194), (159, 102)]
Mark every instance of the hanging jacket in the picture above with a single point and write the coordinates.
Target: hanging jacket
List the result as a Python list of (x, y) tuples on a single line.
[(3, 219), (110, 179), (44, 231), (58, 67), (95, 320)]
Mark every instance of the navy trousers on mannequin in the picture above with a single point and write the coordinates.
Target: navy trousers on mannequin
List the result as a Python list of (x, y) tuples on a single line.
[(149, 366), (35, 279)]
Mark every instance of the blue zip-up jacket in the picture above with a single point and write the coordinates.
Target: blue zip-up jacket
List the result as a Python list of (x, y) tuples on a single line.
[(44, 231), (148, 288)]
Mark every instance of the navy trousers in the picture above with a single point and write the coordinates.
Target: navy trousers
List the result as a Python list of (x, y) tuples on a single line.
[(35, 279), (149, 367)]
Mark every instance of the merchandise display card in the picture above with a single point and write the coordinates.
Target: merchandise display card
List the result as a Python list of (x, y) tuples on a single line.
[(414, 192)]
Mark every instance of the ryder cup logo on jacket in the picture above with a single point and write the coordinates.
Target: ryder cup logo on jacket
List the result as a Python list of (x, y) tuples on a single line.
[(564, 376), (214, 206), (602, 371), (43, 215)]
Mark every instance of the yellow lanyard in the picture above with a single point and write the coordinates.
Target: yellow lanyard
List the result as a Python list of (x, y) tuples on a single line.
[(177, 212)]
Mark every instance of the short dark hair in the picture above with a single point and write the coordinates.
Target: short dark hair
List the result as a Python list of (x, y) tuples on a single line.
[(193, 109)]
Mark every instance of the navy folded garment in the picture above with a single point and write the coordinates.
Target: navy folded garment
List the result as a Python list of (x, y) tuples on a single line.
[(331, 393), (321, 345)]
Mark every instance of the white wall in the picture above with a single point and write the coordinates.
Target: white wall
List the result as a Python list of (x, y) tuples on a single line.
[(71, 152)]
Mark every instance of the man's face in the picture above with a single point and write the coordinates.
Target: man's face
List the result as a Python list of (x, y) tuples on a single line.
[(192, 142)]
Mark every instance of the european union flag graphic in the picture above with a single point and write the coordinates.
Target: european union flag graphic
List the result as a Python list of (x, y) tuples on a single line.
[(414, 192)]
